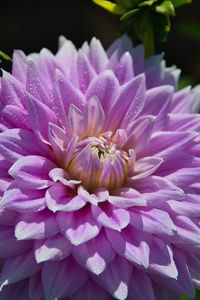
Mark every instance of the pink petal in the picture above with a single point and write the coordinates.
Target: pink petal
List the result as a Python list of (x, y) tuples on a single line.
[(146, 166), (60, 198), (32, 171), (16, 143)]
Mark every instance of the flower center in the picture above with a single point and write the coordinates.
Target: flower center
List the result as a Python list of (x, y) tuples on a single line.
[(99, 162)]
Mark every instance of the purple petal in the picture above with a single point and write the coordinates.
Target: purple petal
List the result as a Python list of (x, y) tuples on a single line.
[(62, 278), (97, 55), (124, 112), (82, 72), (14, 117), (32, 171), (161, 259), (34, 85), (56, 248), (35, 288), (88, 291), (154, 221), (17, 143), (22, 200), (18, 268), (19, 65), (106, 88), (126, 197), (15, 291), (136, 288), (139, 133), (146, 166), (95, 254), (66, 54), (115, 278), (131, 244), (111, 217), (12, 91), (78, 227), (60, 198), (10, 247), (36, 226), (40, 116)]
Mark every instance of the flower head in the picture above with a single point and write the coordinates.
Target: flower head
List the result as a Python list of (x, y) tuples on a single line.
[(99, 176)]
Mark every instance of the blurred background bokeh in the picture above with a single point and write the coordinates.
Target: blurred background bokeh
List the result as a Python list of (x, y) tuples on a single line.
[(31, 25)]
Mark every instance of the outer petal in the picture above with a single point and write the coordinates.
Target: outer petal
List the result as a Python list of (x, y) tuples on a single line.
[(79, 227), (111, 217), (115, 278), (125, 111), (56, 248), (106, 88), (16, 143), (95, 254), (18, 268), (89, 291), (62, 278), (32, 171), (22, 200), (40, 115), (131, 244), (36, 226), (138, 281)]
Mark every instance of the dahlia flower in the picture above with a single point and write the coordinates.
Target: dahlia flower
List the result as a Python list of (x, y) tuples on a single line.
[(99, 177)]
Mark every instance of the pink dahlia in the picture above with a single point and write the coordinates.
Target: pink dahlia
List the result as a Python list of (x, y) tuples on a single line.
[(99, 177)]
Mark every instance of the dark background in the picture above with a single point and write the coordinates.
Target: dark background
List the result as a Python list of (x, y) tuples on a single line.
[(31, 25)]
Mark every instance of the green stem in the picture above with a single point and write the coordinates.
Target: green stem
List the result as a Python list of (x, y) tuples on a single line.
[(148, 40)]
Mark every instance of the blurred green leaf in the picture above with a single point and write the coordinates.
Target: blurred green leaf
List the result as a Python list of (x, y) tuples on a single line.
[(129, 14), (178, 3), (5, 56), (155, 16), (196, 298), (110, 6), (166, 8), (190, 29)]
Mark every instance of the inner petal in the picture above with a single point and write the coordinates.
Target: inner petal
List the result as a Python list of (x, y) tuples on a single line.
[(100, 162)]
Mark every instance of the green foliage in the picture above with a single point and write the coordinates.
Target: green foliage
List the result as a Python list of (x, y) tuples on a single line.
[(196, 298), (190, 29), (147, 20), (4, 56)]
